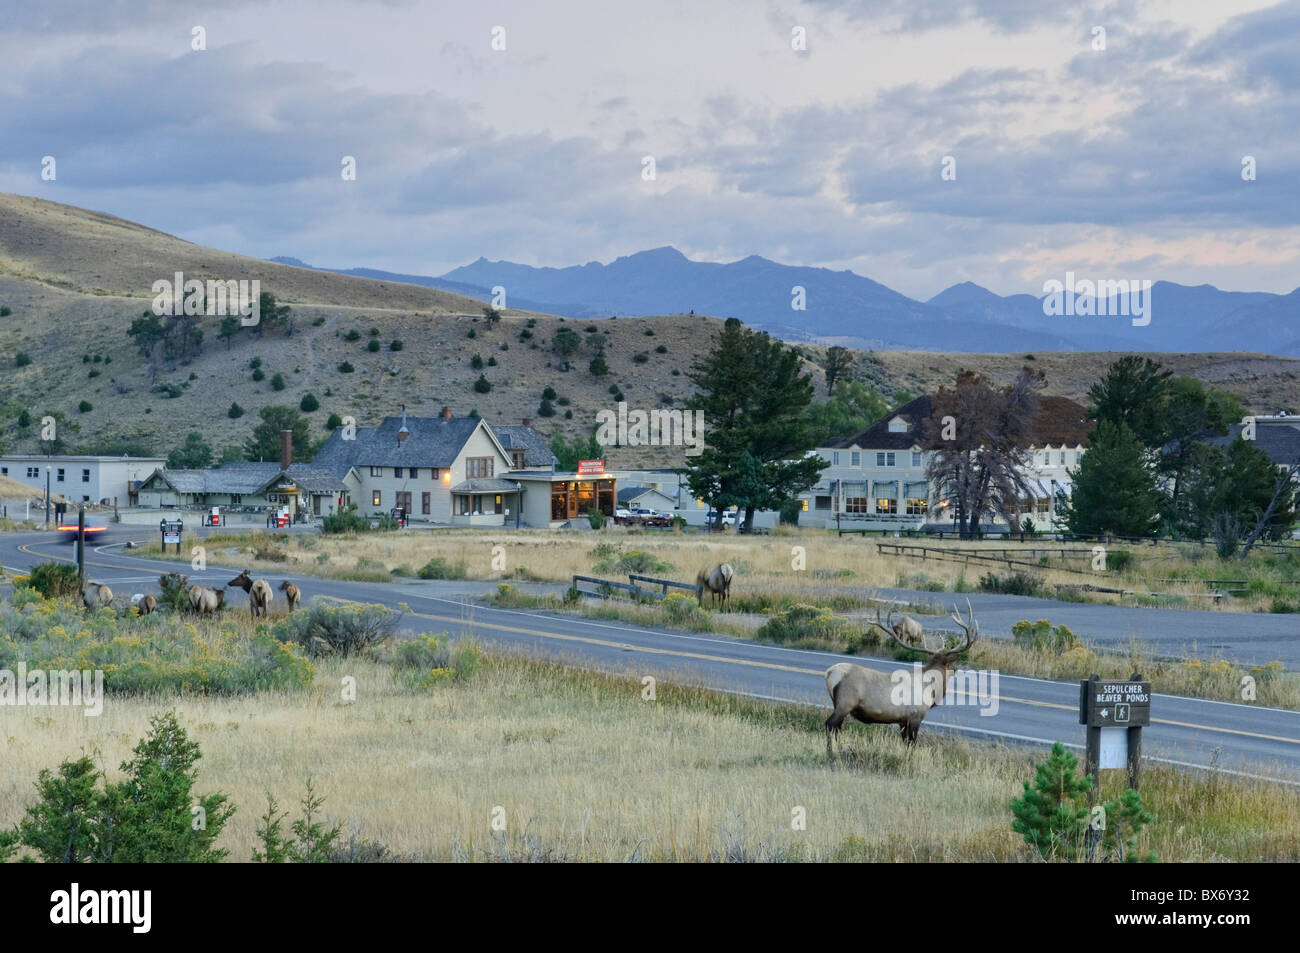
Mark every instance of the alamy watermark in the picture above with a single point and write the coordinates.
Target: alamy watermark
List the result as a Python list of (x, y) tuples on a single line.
[(190, 296), (654, 428), (1101, 298), (929, 687), (41, 688)]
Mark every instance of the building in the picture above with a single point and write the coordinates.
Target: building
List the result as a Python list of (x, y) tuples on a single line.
[(645, 498), (300, 486), (461, 470), (1278, 435), (877, 477), (82, 479)]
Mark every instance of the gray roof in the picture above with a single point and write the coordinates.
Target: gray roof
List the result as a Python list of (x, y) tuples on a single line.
[(247, 478), (627, 494), (433, 442), (1280, 441), (485, 485), (518, 437)]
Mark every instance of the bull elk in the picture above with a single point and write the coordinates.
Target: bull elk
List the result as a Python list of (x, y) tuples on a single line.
[(292, 594), (901, 697), (259, 593)]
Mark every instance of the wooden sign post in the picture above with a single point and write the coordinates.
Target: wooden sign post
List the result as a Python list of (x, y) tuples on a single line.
[(171, 533), (1114, 713)]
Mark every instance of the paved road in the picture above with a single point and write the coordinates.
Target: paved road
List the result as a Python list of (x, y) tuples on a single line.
[(1187, 732)]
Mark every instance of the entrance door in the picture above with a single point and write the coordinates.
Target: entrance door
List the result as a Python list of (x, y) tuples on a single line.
[(315, 506), (404, 501)]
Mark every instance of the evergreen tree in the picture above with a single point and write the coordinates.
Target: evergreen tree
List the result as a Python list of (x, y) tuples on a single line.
[(1114, 488), (193, 454), (1134, 392), (1051, 815), (759, 427), (264, 444)]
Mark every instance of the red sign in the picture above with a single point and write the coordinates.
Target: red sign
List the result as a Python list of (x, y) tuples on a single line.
[(591, 467)]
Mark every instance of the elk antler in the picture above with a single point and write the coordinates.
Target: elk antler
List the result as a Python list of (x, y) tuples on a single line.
[(970, 626)]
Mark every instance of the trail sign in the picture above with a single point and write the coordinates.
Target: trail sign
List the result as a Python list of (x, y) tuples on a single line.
[(1115, 712), (171, 533), (1104, 704)]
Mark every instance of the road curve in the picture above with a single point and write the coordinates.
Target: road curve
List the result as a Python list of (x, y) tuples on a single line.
[(1194, 733)]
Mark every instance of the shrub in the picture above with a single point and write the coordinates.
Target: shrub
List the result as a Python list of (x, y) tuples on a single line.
[(1042, 636), (476, 362), (345, 520), (346, 368), (259, 375), (22, 359), (428, 659), (640, 358), (314, 843), (545, 409), (492, 362), (395, 345), (641, 562), (344, 631), (1017, 583), (334, 422), (807, 624), (255, 363), (596, 518), (373, 346), (472, 334), (174, 592), (481, 385), (277, 382), (85, 407), (684, 610), (1118, 560), (548, 393), (309, 403), (661, 349), (439, 568), (352, 335), (5, 311), (235, 411), (54, 581)]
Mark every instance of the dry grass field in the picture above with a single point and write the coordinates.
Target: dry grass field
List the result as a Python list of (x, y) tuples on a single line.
[(584, 769), (1178, 574)]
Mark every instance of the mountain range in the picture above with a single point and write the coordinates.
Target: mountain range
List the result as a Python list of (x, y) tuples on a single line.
[(842, 307)]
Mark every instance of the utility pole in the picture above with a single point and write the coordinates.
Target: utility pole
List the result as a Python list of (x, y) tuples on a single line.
[(47, 495), (81, 548)]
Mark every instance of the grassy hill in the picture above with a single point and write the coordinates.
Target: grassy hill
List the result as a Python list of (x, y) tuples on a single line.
[(74, 280)]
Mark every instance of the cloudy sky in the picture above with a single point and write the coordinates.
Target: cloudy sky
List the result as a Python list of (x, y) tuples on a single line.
[(1119, 161)]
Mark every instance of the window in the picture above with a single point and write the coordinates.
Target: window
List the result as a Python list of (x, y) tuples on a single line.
[(498, 506), (235, 499), (916, 459), (855, 504), (519, 457), (376, 471), (85, 476), (462, 505), (889, 459), (884, 505), (478, 467), (1062, 458), (835, 455), (404, 502), (376, 498), (4, 471), (33, 472), (917, 506), (855, 459), (803, 506), (397, 472), (59, 477), (880, 459), (426, 502), (822, 502)]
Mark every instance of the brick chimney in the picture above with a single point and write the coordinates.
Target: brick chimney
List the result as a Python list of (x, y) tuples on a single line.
[(286, 449), (446, 413), (528, 421)]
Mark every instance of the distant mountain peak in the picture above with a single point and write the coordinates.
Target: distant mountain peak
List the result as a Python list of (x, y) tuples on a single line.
[(286, 260)]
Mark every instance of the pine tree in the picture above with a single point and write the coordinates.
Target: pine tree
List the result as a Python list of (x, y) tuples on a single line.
[(1052, 814), (1114, 488)]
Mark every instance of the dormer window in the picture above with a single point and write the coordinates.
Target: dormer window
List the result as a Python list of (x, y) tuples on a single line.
[(518, 457), (898, 425)]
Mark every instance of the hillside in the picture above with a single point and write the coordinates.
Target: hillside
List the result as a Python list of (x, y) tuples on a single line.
[(75, 280)]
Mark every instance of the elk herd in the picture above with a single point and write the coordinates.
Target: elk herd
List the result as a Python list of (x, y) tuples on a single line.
[(202, 600)]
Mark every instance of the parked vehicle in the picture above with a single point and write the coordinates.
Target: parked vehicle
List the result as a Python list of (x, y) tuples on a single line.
[(728, 518)]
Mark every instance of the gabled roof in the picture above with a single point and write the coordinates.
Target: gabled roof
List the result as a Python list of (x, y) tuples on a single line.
[(248, 478), (1061, 422), (626, 494), (1280, 442), (433, 442), (519, 437), (485, 485)]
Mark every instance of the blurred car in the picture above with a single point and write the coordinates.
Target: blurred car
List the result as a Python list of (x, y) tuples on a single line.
[(69, 531)]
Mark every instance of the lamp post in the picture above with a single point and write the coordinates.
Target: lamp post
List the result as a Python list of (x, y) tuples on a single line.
[(47, 496)]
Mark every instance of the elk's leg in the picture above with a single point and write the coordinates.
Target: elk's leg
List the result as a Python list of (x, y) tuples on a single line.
[(833, 731)]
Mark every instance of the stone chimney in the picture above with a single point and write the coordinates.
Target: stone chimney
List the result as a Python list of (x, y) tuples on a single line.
[(528, 421), (446, 413), (286, 449)]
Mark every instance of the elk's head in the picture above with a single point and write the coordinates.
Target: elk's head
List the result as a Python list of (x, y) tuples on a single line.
[(243, 581)]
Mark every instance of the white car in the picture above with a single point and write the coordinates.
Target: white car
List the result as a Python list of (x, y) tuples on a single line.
[(728, 518), (622, 513)]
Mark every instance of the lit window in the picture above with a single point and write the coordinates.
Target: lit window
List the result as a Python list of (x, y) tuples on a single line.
[(917, 506), (884, 505), (376, 498)]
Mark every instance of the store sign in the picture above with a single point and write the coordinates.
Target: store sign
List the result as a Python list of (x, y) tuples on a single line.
[(591, 467)]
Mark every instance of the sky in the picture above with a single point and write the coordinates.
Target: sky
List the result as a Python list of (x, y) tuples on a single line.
[(1104, 138)]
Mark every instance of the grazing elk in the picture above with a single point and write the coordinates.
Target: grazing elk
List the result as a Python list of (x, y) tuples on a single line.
[(292, 594), (96, 596), (204, 600), (901, 697), (906, 629), (717, 581), (144, 603), (259, 593)]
